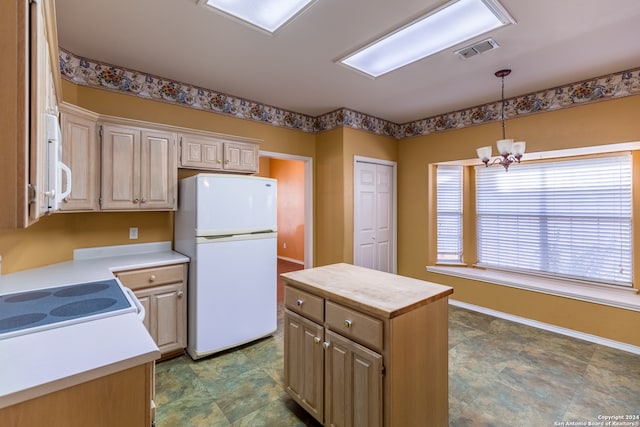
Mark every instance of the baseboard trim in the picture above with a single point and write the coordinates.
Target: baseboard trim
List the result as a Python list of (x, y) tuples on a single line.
[(548, 327), (295, 261)]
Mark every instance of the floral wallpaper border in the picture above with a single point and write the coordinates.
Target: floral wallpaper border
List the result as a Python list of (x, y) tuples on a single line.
[(92, 73)]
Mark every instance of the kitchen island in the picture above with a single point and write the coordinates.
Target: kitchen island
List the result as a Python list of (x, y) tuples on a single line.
[(366, 348), (97, 372)]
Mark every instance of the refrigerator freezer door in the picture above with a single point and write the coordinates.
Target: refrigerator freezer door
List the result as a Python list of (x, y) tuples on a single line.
[(233, 299), (234, 204)]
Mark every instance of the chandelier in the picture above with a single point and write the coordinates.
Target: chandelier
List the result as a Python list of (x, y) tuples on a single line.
[(509, 150)]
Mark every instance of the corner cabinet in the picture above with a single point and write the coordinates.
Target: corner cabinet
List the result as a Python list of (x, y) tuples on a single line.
[(365, 348), (139, 170), (162, 293), (208, 151)]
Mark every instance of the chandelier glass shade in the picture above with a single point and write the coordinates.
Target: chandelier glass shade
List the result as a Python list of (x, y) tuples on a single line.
[(509, 151)]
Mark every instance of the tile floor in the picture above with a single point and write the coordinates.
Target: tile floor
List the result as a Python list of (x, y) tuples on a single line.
[(500, 374)]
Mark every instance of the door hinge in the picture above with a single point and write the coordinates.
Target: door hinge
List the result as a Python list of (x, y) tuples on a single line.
[(100, 131), (31, 193), (100, 201), (383, 370)]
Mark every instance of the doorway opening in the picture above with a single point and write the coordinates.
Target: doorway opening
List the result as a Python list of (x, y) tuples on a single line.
[(295, 210)]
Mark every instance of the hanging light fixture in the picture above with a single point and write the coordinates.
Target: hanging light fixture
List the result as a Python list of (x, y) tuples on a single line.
[(509, 150)]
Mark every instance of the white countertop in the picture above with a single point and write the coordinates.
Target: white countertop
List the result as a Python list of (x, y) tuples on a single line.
[(38, 363)]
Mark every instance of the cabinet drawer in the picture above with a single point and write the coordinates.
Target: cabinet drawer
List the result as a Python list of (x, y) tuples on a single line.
[(137, 279), (355, 325), (304, 303)]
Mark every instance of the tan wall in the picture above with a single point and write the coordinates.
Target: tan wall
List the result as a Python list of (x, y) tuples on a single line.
[(328, 199), (601, 123), (53, 238), (358, 143)]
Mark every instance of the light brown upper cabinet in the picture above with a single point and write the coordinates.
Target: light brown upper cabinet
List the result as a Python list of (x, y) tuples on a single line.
[(139, 169), (81, 152), (217, 153)]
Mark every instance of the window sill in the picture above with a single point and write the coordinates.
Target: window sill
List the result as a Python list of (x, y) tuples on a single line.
[(626, 298)]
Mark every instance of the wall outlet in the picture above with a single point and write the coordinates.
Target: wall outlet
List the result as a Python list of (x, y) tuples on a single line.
[(284, 245), (133, 232)]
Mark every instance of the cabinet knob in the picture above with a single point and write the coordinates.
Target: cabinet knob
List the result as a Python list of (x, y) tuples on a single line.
[(316, 340), (136, 200), (152, 278), (299, 303), (347, 324), (143, 200), (326, 344), (219, 161), (226, 162), (180, 294)]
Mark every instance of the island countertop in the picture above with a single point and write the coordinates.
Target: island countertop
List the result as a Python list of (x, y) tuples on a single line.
[(383, 294)]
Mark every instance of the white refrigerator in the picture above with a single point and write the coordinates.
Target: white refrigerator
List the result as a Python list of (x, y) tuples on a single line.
[(227, 225)]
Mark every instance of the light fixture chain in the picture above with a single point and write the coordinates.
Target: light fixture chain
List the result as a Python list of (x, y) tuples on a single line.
[(502, 110)]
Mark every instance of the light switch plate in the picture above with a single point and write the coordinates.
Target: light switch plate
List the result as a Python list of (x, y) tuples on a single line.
[(133, 232)]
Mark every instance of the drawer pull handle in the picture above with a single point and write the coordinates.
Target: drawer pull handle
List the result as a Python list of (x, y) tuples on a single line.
[(347, 324), (180, 294), (316, 340), (299, 303), (326, 345), (152, 278)]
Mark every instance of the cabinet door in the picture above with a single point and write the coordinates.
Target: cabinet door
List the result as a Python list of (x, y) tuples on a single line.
[(170, 317), (120, 167), (40, 79), (304, 363), (165, 317), (158, 170), (353, 381), (80, 152), (200, 152), (239, 156)]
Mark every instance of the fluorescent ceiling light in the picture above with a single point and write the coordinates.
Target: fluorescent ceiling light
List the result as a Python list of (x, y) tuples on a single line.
[(453, 23), (268, 15)]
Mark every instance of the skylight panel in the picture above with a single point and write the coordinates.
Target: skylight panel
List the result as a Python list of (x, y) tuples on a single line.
[(454, 23), (268, 15)]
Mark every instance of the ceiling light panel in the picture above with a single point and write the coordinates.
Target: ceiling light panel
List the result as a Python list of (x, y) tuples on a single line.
[(453, 23), (268, 15)]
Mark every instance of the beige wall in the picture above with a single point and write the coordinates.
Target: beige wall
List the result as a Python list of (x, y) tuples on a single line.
[(332, 152), (53, 238), (601, 123)]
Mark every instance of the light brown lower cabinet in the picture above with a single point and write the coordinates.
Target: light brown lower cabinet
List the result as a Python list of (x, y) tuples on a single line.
[(162, 293), (120, 399), (365, 348), (304, 370)]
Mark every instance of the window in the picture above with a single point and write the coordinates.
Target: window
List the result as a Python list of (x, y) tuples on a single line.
[(449, 206), (568, 218)]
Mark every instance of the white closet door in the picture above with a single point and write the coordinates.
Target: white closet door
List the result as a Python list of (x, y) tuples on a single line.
[(374, 216)]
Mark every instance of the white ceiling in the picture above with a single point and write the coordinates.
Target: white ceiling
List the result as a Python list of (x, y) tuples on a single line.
[(555, 42)]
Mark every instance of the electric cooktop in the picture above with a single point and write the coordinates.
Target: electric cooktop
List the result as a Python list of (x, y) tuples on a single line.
[(32, 311)]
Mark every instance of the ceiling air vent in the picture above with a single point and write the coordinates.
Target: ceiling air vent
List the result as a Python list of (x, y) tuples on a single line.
[(477, 49)]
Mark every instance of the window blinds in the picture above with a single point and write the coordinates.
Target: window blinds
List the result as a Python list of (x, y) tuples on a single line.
[(569, 218), (449, 211)]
